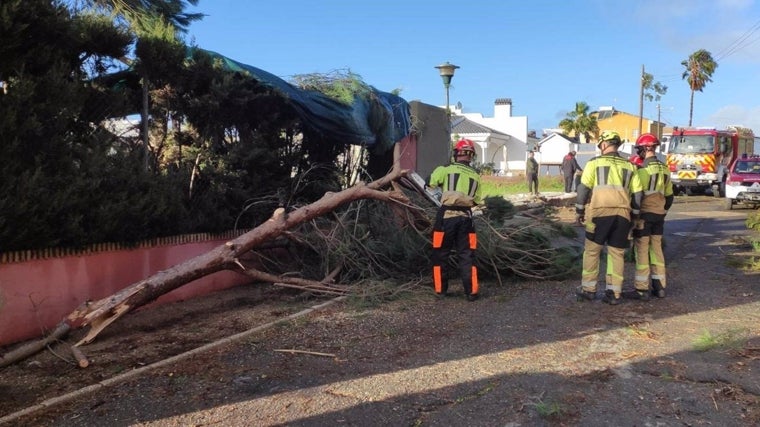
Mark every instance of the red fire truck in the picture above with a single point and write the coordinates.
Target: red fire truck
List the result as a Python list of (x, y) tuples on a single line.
[(698, 158)]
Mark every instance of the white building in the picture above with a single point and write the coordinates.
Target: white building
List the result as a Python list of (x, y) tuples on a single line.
[(503, 139), (553, 148)]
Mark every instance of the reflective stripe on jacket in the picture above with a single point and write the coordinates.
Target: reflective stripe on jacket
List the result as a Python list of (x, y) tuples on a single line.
[(658, 188), (614, 185), (460, 184), (457, 177)]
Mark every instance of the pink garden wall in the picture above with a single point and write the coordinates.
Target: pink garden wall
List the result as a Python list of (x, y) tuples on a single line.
[(37, 293)]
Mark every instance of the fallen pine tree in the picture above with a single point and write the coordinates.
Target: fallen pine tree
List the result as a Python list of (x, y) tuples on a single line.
[(99, 314), (346, 235)]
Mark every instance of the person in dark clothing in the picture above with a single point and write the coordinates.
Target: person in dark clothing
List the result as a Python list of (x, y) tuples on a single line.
[(570, 169), (454, 228), (531, 173)]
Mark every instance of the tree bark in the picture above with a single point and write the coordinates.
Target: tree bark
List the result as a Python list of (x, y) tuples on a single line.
[(99, 314)]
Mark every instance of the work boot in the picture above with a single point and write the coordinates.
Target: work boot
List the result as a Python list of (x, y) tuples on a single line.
[(610, 298), (643, 295), (582, 295), (657, 289), (472, 297), (637, 294)]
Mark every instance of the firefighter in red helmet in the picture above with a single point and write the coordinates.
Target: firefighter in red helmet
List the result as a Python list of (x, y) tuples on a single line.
[(454, 228), (637, 158), (648, 228)]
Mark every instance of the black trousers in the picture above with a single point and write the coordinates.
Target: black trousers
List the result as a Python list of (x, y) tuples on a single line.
[(569, 183), (457, 234), (532, 182)]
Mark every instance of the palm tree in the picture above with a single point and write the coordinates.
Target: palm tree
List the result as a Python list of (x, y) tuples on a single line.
[(579, 122), (700, 67)]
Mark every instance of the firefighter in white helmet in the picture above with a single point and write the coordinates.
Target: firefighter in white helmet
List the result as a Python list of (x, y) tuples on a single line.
[(454, 228)]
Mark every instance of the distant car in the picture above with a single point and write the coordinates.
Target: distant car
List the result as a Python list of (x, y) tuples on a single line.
[(743, 182)]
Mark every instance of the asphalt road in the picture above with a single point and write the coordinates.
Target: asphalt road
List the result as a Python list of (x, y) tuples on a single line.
[(694, 217)]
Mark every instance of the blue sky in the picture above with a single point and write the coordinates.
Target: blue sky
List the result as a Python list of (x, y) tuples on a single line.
[(543, 54)]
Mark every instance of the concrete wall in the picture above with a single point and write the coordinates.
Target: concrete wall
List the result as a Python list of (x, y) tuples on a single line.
[(431, 143), (36, 294)]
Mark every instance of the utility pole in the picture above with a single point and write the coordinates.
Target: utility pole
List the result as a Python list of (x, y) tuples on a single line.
[(641, 98), (659, 123)]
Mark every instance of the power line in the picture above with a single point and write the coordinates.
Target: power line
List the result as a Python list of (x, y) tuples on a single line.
[(739, 43)]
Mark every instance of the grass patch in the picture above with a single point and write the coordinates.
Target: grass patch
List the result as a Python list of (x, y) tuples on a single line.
[(499, 186), (749, 264), (753, 221), (755, 243), (549, 410), (732, 339)]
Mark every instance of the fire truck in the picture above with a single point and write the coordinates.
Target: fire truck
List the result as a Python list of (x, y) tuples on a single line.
[(698, 158)]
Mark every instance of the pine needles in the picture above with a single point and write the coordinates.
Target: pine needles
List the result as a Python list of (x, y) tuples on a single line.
[(381, 252)]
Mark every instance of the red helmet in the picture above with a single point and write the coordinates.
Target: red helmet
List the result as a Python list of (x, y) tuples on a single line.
[(463, 146), (647, 140), (636, 160)]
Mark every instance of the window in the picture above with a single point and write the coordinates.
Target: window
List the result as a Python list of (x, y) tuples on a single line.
[(684, 144), (750, 166)]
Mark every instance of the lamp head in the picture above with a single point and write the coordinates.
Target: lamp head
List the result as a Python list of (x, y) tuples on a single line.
[(446, 71)]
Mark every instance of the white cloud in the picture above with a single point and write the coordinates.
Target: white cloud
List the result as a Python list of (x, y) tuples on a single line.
[(729, 29), (736, 115)]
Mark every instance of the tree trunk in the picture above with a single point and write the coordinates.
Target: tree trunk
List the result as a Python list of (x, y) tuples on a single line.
[(691, 107), (100, 314), (641, 100), (145, 121)]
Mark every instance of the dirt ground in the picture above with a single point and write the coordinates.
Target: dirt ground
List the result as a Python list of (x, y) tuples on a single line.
[(524, 354)]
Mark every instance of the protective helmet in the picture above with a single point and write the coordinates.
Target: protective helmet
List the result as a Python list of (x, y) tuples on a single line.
[(610, 136), (636, 160), (647, 140), (464, 146)]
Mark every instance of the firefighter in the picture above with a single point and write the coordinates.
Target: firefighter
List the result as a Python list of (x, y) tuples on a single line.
[(612, 184), (638, 158), (648, 229), (454, 228)]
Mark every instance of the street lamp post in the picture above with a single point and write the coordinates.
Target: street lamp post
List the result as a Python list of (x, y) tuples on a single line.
[(446, 71)]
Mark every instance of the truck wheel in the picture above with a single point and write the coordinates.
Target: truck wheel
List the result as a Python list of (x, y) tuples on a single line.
[(716, 190), (728, 204)]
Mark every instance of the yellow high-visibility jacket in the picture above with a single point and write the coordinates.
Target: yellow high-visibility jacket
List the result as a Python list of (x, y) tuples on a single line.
[(613, 184), (658, 188), (460, 184)]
